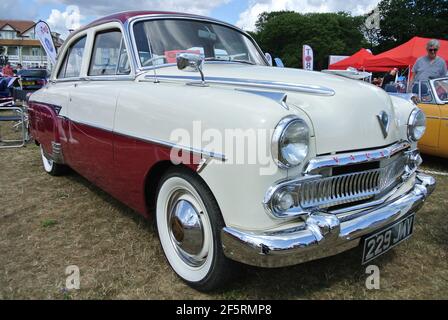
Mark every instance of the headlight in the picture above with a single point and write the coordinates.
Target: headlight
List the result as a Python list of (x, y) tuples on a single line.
[(290, 142), (416, 125)]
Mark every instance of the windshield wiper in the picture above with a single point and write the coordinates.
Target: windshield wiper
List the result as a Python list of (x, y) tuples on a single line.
[(243, 61), (229, 60)]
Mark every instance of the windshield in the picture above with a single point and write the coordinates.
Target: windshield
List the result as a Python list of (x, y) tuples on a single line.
[(441, 88), (159, 41)]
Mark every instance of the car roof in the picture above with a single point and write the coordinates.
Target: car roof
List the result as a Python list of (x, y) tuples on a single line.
[(123, 17)]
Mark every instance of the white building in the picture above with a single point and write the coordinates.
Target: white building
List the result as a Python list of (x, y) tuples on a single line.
[(19, 43)]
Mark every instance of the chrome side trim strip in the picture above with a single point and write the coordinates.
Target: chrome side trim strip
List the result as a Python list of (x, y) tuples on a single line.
[(436, 118), (355, 158), (201, 152), (279, 97), (263, 84)]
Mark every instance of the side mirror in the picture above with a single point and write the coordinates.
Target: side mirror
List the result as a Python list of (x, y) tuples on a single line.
[(279, 63), (191, 62)]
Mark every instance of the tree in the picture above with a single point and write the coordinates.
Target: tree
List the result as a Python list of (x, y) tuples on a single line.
[(403, 19), (284, 33)]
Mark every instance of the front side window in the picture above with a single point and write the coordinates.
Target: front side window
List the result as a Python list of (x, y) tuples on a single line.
[(109, 55), (71, 66), (159, 41), (441, 88)]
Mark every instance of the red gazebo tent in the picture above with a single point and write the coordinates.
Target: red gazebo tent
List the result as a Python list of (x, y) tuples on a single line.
[(356, 61), (405, 55)]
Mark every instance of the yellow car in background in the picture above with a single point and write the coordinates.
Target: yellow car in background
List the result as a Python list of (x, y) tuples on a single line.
[(433, 100)]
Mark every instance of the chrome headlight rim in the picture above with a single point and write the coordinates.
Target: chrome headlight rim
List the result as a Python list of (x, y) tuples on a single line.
[(279, 134), (412, 124)]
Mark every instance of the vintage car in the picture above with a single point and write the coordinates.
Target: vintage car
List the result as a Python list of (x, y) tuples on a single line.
[(433, 100), (341, 167)]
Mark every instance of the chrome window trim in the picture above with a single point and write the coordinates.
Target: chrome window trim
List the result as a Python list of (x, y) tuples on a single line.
[(123, 27), (130, 29), (261, 84), (97, 78), (358, 157), (64, 52)]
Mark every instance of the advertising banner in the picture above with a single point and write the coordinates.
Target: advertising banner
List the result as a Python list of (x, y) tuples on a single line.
[(43, 33)]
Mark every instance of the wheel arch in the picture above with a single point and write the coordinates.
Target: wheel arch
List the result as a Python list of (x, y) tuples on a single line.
[(153, 178)]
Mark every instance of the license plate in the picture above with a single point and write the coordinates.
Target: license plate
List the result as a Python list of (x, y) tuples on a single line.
[(381, 242), (28, 83)]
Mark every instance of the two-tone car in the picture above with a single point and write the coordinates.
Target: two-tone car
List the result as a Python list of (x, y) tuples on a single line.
[(148, 105)]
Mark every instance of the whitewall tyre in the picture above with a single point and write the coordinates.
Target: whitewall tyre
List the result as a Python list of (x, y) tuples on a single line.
[(50, 167), (189, 224)]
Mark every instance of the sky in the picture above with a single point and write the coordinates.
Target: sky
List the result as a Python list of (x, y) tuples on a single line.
[(63, 15)]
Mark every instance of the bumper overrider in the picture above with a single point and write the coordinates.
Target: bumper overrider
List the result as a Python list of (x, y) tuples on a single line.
[(323, 234)]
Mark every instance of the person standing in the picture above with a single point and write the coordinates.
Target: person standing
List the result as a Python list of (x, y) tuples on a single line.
[(8, 71), (430, 66), (389, 77)]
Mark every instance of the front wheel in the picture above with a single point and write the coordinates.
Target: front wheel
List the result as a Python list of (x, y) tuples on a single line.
[(50, 167), (189, 223)]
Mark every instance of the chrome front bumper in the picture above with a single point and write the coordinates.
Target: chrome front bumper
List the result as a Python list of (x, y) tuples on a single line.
[(323, 234)]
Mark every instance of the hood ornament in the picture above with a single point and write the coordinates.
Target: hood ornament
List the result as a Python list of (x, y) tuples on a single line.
[(384, 121)]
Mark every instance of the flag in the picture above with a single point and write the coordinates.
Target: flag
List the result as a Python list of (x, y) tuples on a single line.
[(43, 33), (308, 58)]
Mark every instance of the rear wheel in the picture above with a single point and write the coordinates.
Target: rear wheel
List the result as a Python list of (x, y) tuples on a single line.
[(52, 168), (189, 224)]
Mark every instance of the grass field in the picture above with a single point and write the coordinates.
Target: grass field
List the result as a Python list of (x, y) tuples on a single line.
[(48, 223)]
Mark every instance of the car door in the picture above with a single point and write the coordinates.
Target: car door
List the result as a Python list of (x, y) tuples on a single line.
[(430, 141), (48, 108), (443, 139), (441, 91), (92, 109)]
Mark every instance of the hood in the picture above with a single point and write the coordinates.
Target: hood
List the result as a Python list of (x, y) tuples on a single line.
[(345, 120)]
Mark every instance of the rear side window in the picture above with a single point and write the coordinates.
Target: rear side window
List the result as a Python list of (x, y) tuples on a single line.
[(109, 55), (71, 66)]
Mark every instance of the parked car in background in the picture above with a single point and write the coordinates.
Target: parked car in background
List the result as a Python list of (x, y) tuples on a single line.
[(343, 153), (433, 97), (29, 80)]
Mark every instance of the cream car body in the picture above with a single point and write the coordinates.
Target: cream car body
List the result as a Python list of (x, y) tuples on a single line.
[(117, 130)]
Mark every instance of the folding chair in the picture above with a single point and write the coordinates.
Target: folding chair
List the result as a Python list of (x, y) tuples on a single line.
[(16, 116)]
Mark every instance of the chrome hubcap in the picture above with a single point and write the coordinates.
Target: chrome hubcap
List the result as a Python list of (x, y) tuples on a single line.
[(186, 229)]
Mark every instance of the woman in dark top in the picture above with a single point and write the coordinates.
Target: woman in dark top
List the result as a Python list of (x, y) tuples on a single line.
[(389, 77)]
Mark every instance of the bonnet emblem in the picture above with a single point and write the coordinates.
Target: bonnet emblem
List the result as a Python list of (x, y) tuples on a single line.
[(384, 121)]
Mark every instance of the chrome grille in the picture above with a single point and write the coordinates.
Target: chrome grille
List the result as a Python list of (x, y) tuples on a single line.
[(347, 188)]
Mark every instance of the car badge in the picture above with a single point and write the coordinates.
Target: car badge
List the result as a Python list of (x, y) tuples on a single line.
[(383, 119)]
